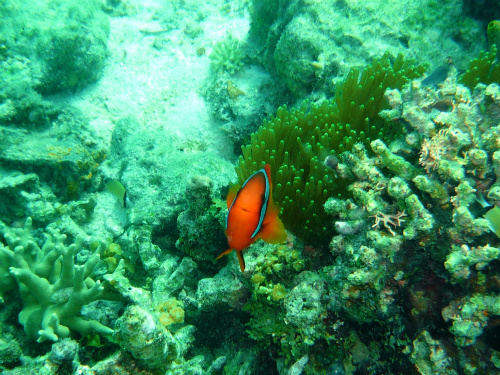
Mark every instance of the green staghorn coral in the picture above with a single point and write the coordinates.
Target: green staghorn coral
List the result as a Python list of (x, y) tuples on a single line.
[(483, 69), (301, 144)]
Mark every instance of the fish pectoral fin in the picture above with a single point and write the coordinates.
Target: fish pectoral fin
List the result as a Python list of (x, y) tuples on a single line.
[(273, 231), (224, 253)]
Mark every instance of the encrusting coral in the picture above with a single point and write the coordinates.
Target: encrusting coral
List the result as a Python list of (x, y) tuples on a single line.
[(53, 289), (302, 145), (145, 337)]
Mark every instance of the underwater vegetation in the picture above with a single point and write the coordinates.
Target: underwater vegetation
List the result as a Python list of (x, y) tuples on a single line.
[(415, 265), (483, 69), (413, 271)]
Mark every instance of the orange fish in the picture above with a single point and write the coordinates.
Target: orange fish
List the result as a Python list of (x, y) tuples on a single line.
[(252, 214)]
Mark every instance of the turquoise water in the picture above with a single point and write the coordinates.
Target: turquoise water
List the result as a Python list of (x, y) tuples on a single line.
[(129, 129)]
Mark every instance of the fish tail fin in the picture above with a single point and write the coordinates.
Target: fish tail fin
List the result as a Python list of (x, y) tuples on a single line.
[(273, 231), (224, 253)]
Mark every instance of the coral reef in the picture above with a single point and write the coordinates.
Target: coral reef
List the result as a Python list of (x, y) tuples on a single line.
[(461, 258), (53, 172), (311, 44), (240, 101), (10, 352), (53, 288), (146, 338), (391, 264), (300, 144), (470, 316), (412, 256), (220, 290), (201, 226), (430, 356)]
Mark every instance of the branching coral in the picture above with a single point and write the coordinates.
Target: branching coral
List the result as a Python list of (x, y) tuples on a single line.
[(461, 258), (53, 288)]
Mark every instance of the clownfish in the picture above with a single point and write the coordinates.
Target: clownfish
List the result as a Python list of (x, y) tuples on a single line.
[(252, 214)]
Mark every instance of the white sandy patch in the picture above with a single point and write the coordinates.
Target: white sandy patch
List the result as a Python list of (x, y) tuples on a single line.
[(159, 86)]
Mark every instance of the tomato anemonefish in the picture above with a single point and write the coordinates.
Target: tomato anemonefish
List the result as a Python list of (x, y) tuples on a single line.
[(252, 214)]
